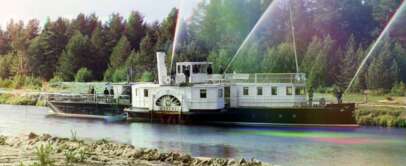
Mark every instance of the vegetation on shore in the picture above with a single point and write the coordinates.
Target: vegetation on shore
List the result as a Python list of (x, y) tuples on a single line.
[(45, 150), (381, 116)]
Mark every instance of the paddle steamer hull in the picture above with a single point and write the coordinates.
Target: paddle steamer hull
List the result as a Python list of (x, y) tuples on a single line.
[(330, 115)]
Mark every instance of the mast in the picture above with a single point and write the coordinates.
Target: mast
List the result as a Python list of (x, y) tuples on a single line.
[(292, 28)]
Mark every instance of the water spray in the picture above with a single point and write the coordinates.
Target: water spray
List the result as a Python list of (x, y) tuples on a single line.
[(250, 34), (372, 50), (177, 29)]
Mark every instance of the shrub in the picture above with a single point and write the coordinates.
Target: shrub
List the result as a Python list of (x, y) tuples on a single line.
[(5, 83), (108, 75), (399, 89), (56, 79), (17, 100), (120, 75), (83, 75), (147, 77), (28, 82)]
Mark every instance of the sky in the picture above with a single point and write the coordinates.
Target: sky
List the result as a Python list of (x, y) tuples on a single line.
[(153, 10)]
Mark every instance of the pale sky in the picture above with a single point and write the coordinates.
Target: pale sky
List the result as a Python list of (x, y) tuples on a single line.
[(42, 9)]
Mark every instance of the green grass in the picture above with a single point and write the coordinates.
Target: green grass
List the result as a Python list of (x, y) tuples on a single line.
[(17, 99), (381, 116)]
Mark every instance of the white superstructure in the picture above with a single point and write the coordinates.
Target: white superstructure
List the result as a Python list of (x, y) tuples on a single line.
[(196, 88)]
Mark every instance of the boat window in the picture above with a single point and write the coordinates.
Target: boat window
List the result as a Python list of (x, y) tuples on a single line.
[(300, 91), (245, 91), (196, 68), (145, 92), (289, 90), (220, 93), (179, 69), (203, 93), (259, 91), (274, 91)]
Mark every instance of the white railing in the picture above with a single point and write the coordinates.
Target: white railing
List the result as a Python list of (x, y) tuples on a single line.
[(258, 78)]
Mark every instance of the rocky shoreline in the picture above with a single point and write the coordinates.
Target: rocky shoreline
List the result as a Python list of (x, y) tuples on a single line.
[(46, 150)]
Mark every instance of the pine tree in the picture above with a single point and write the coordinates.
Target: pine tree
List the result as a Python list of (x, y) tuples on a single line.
[(147, 50), (400, 55), (77, 54), (101, 52), (383, 72), (120, 53), (135, 29), (348, 65)]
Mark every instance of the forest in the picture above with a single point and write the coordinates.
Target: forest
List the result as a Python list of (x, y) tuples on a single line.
[(331, 38)]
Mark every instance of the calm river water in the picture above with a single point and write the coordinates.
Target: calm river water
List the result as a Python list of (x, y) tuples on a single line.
[(281, 146)]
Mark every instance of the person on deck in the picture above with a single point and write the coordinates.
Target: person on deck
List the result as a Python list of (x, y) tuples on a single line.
[(310, 93), (339, 95), (111, 91), (106, 92)]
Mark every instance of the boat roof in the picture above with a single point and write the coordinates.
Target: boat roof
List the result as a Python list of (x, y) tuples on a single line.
[(194, 63)]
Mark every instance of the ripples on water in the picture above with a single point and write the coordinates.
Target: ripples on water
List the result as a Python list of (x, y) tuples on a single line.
[(283, 146)]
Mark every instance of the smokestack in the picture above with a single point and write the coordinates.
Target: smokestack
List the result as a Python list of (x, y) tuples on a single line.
[(163, 78)]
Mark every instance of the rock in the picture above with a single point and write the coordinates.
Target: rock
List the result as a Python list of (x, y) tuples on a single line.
[(45, 137), (32, 135), (231, 162), (186, 158)]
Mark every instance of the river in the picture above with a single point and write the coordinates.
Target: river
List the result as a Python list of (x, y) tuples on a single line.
[(281, 146)]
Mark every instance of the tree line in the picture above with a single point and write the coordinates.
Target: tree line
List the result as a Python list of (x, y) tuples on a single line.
[(332, 38), (100, 51)]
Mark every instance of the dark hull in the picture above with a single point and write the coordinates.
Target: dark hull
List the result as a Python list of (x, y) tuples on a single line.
[(335, 115), (76, 108)]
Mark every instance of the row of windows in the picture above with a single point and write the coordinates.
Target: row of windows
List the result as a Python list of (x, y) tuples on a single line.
[(203, 93), (274, 91)]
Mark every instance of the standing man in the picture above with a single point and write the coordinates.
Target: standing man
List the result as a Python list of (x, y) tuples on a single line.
[(310, 93), (339, 95)]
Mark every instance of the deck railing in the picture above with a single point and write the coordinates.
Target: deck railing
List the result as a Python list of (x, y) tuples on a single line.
[(90, 98), (258, 78)]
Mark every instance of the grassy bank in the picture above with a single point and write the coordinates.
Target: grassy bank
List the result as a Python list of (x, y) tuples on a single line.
[(45, 150), (387, 116), (17, 99)]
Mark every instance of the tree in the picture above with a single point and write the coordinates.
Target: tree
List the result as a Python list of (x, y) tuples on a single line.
[(280, 59), (120, 53), (348, 64), (4, 42), (115, 28), (75, 56), (400, 55), (21, 37), (135, 29), (383, 72), (147, 50), (317, 67), (101, 52)]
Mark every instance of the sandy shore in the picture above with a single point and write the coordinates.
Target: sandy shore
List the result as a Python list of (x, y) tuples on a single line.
[(46, 150)]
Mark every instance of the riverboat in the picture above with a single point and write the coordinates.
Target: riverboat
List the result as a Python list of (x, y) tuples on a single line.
[(195, 95)]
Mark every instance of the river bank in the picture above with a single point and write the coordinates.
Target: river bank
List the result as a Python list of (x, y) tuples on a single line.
[(44, 150)]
